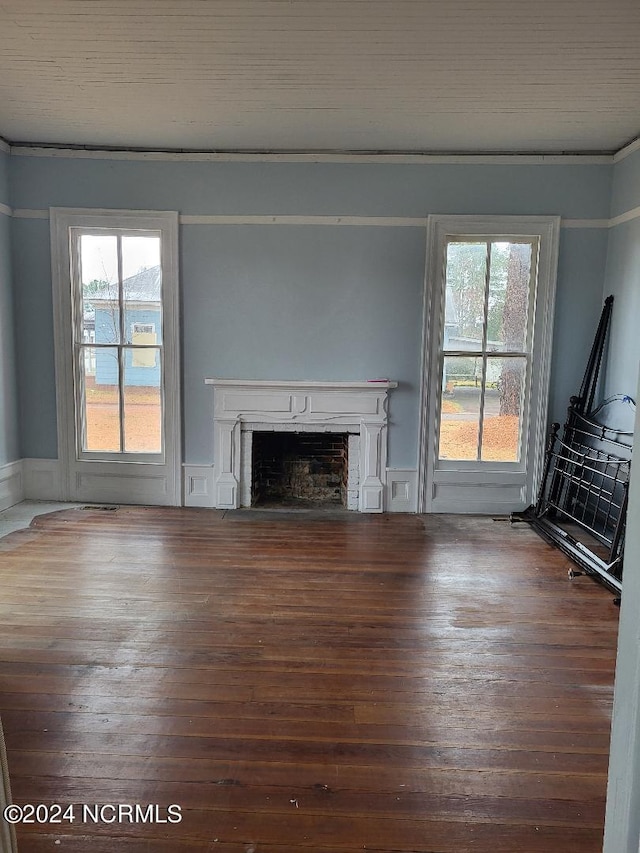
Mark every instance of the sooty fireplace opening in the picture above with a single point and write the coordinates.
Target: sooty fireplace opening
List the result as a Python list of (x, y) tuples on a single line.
[(299, 468)]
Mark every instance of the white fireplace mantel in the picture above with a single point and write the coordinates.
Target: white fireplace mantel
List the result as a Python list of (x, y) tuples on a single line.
[(358, 407)]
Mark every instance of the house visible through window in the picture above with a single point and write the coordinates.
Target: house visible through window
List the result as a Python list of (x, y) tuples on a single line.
[(116, 331), (119, 286)]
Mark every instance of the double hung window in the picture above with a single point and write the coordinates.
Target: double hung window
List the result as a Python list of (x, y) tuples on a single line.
[(486, 348), (117, 347), (489, 300)]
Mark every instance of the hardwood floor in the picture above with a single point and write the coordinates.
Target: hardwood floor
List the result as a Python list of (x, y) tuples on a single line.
[(304, 682)]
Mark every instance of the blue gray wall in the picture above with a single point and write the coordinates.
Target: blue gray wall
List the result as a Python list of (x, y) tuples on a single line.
[(623, 281), (302, 301), (9, 439), (581, 267)]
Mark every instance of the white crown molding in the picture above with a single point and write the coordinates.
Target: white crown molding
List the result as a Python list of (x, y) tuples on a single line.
[(308, 157), (585, 223), (627, 216), (363, 221), (627, 151), (223, 219), (382, 221), (27, 213)]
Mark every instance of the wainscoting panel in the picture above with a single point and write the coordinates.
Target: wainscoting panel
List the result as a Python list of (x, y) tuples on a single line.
[(402, 490), (198, 485), (43, 480), (11, 484)]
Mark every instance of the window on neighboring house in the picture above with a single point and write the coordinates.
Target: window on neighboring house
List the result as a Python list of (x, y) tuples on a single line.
[(143, 335)]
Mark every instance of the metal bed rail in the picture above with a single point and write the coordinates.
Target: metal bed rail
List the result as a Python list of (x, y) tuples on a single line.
[(585, 479), (585, 483), (589, 487)]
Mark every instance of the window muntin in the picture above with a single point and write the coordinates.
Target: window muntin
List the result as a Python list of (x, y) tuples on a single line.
[(486, 348), (117, 341)]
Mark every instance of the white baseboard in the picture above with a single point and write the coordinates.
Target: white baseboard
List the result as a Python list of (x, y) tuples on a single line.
[(402, 490), (198, 485), (11, 484), (42, 480)]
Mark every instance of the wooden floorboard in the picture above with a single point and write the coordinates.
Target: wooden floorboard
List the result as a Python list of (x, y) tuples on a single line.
[(325, 683)]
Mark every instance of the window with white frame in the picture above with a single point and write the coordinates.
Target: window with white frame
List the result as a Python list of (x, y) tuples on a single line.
[(116, 288), (486, 347), (116, 332), (487, 344)]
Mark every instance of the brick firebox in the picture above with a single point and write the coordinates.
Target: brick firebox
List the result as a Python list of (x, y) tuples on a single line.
[(294, 467)]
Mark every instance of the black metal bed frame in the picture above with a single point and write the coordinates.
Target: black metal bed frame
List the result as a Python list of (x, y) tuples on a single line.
[(586, 483), (586, 477)]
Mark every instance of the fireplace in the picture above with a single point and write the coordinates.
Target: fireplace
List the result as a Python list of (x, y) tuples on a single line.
[(299, 469), (243, 410)]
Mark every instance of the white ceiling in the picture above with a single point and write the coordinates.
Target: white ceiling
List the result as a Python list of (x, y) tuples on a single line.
[(322, 75)]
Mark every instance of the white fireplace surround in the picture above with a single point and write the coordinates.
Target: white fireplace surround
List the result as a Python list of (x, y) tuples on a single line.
[(241, 407)]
